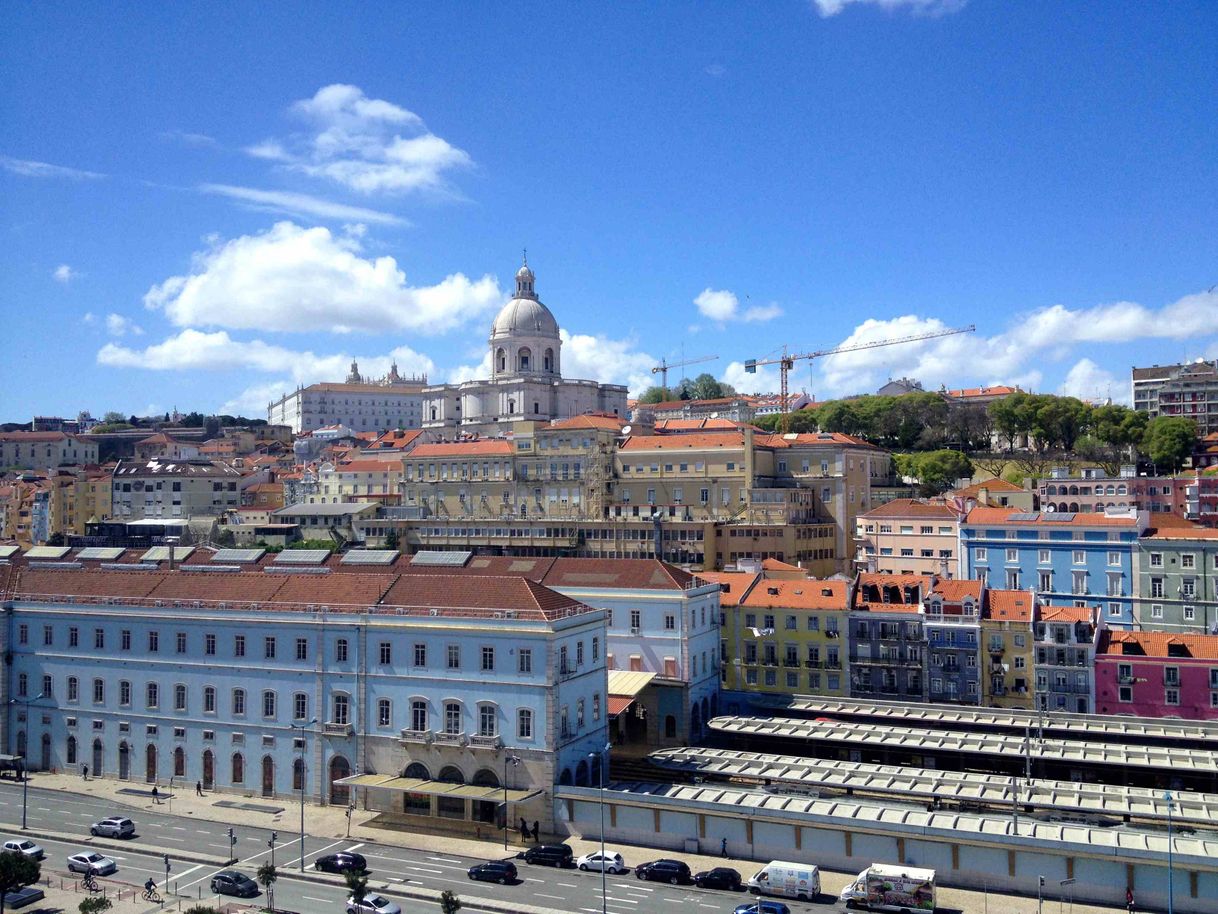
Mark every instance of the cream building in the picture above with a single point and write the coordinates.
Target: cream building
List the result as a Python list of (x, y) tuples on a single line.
[(361, 403), (526, 380)]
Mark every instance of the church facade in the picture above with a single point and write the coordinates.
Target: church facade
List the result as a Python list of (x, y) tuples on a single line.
[(526, 382)]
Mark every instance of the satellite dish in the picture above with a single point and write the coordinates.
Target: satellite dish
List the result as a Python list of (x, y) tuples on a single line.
[(625, 429)]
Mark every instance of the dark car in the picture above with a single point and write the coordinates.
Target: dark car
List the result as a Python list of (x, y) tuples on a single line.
[(673, 871), (230, 882), (763, 907), (549, 855), (341, 863), (500, 871), (721, 877)]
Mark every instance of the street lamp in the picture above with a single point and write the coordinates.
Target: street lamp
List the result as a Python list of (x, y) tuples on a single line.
[(302, 728), (25, 774), (515, 760), (270, 889), (603, 758), (1170, 893)]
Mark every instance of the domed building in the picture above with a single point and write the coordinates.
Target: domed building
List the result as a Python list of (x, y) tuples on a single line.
[(526, 382)]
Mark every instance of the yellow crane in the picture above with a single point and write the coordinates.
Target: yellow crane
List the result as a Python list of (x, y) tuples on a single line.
[(662, 368), (786, 361)]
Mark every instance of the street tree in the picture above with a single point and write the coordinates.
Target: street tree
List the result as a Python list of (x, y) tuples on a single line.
[(449, 902), (1168, 441), (266, 876), (16, 872), (357, 884)]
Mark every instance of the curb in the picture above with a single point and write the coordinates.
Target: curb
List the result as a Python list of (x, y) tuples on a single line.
[(417, 894)]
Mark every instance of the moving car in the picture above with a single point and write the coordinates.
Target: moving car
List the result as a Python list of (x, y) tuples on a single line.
[(788, 880), (341, 862), (612, 863), (113, 827), (721, 877), (887, 887), (373, 904), (500, 871), (25, 847), (762, 907), (87, 861), (230, 882), (549, 855), (673, 871)]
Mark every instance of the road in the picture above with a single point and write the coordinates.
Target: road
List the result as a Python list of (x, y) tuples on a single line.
[(201, 842)]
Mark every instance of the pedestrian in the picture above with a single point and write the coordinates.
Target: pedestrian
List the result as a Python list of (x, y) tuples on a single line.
[(524, 829), (536, 831), (723, 847), (84, 770), (156, 795), (198, 788), (1129, 899)]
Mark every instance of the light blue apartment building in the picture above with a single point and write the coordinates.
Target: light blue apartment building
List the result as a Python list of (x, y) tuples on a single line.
[(1069, 559), (415, 694)]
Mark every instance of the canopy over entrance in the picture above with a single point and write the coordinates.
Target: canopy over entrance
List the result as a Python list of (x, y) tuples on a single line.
[(436, 788)]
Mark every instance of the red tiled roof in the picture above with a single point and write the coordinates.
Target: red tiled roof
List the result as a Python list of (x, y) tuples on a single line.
[(806, 594), (912, 507), (591, 420), (982, 515), (32, 437), (1009, 605), (954, 590), (483, 447), (1163, 519), (1184, 533), (618, 703), (632, 574), (476, 592), (806, 439), (1157, 644), (733, 585), (776, 565), (733, 440), (1066, 614), (997, 484), (998, 390), (693, 425)]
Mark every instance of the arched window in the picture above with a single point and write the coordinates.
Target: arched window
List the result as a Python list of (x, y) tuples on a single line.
[(488, 724), (71, 750), (523, 359), (417, 770), (501, 360), (268, 703), (153, 695), (433, 414), (564, 779), (179, 762), (209, 700), (23, 684), (452, 717), (238, 701), (1122, 489), (524, 724), (581, 774), (340, 794), (179, 697), (451, 774), (73, 688), (549, 360), (238, 768), (670, 726), (384, 712), (298, 774), (484, 777)]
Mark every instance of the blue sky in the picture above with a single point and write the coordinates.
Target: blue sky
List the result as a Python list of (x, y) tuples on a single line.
[(203, 205)]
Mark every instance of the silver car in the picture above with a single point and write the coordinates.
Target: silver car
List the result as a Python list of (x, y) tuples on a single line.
[(91, 861), (25, 847), (113, 827), (373, 904)]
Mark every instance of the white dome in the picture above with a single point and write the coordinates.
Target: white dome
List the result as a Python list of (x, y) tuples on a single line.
[(524, 317)]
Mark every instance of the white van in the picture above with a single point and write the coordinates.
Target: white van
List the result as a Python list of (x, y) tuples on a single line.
[(787, 880), (887, 887)]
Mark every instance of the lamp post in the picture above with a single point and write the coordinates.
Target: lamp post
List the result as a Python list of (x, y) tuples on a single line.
[(603, 758), (270, 889), (25, 774), (302, 728), (1170, 888), (515, 760)]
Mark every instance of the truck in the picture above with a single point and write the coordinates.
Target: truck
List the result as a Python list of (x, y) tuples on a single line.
[(887, 887), (787, 880)]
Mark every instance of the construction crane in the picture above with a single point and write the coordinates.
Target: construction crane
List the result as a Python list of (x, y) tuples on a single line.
[(662, 368), (786, 361)]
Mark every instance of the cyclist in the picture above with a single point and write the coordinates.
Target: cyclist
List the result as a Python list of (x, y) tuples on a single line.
[(90, 878), (149, 887)]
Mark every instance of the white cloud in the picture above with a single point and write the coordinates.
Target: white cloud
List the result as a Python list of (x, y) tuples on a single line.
[(365, 144), (186, 138), (31, 169), (827, 8), (253, 401), (291, 278), (610, 361), (64, 274), (764, 380), (479, 372), (721, 306), (117, 325), (89, 318), (300, 204), (1088, 381), (1008, 357)]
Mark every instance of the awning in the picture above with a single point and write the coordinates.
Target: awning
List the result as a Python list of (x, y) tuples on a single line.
[(618, 704), (436, 788), (628, 683)]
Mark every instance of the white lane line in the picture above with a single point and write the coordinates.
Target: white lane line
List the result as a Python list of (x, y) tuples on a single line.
[(178, 827), (426, 869), (185, 873), (620, 901), (322, 900), (200, 831), (444, 859), (355, 847), (43, 808), (567, 885), (544, 895)]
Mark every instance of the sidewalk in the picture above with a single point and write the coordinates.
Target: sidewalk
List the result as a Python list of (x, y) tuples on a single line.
[(331, 821)]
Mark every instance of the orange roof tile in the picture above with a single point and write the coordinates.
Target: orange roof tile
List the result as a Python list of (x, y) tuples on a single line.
[(631, 574), (912, 507), (1066, 614), (954, 590), (733, 585), (591, 420), (997, 484), (776, 565), (1009, 606), (1157, 645), (806, 594), (807, 439), (733, 440), (997, 390), (1184, 533), (1162, 519), (481, 447), (984, 515)]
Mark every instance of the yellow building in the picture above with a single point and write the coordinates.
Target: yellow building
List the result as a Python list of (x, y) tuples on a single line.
[(1007, 649)]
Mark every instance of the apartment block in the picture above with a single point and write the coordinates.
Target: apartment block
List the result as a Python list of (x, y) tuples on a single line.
[(1156, 674), (1177, 580), (176, 489), (1009, 653), (1066, 639), (887, 644), (909, 536), (1188, 391)]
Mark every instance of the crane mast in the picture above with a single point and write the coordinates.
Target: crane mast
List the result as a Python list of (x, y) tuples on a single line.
[(786, 361), (662, 368)]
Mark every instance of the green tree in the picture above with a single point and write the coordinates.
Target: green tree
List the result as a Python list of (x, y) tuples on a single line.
[(95, 904), (266, 877), (449, 902), (1168, 441), (706, 387), (211, 427), (938, 471), (391, 538), (840, 416), (16, 872), (652, 395), (357, 884), (112, 417)]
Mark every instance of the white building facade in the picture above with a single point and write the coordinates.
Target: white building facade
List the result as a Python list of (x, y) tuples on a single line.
[(362, 404)]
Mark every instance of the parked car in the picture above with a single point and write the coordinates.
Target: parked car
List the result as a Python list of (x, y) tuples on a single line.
[(549, 855), (87, 861), (500, 871), (230, 882), (20, 897), (341, 862), (113, 827), (610, 862), (762, 907), (25, 847), (721, 877), (673, 871), (373, 904)]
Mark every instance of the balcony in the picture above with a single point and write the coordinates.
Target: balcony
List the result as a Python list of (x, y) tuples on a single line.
[(333, 728), (833, 664), (791, 663), (415, 736), (812, 664), (485, 742), (449, 739)]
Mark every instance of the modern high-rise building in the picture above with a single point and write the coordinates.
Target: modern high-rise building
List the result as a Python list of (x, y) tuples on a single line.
[(1188, 391)]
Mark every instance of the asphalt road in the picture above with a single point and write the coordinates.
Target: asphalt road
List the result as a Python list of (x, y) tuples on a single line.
[(562, 890)]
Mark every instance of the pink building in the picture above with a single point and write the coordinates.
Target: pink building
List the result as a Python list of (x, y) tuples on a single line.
[(1157, 674)]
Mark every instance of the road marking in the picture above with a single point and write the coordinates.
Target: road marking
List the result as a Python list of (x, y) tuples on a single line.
[(355, 847), (544, 895), (200, 831), (441, 859), (43, 808), (322, 900), (568, 885), (178, 827)]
